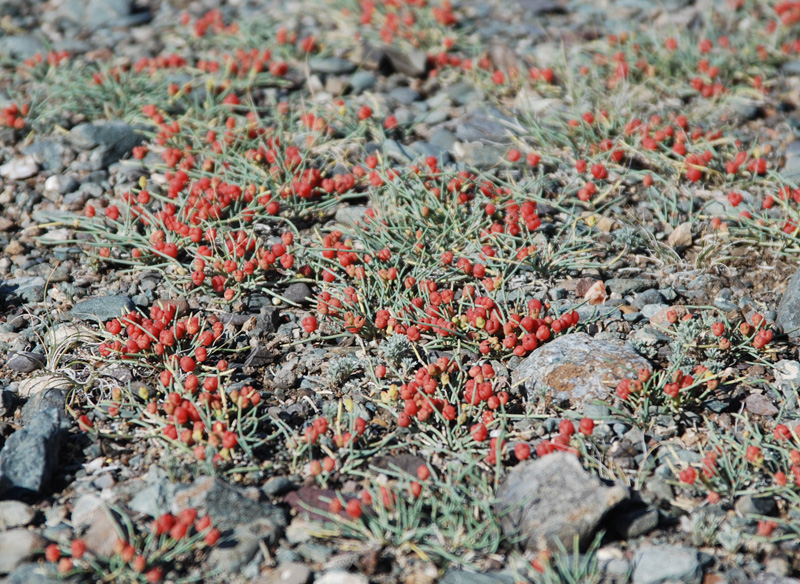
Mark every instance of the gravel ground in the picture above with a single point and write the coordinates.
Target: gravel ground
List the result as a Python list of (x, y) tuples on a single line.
[(349, 292)]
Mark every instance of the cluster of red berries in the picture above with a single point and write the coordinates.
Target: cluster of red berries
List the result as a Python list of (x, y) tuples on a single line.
[(176, 528), (13, 116)]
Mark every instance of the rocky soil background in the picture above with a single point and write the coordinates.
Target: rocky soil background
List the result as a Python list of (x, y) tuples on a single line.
[(418, 291)]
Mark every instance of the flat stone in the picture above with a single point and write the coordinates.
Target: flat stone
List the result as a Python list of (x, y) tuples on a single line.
[(575, 369), (485, 125), (116, 139), (35, 573), (464, 577), (330, 66), (760, 405), (35, 385), (228, 507), (19, 168), (15, 514), (289, 573), (754, 505), (553, 499), (646, 297), (103, 308), (350, 216), (362, 80), (625, 286), (28, 288), (788, 313), (102, 533), (241, 546), (635, 522), (666, 563), (26, 362), (341, 577), (18, 545)]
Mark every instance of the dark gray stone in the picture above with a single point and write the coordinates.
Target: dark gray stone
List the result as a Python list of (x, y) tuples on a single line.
[(405, 95), (228, 507), (646, 297), (666, 563), (411, 63), (103, 307), (362, 80), (635, 522), (114, 139), (330, 66), (26, 362), (553, 499), (277, 487), (27, 288), (36, 574), (51, 154), (753, 505), (30, 455), (8, 402), (462, 577), (485, 125), (625, 286), (788, 314), (299, 293)]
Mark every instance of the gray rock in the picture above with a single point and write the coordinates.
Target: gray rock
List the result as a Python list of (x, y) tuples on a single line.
[(753, 505), (485, 125), (625, 286), (341, 577), (330, 65), (19, 168), (20, 46), (35, 574), (277, 487), (351, 215), (462, 577), (236, 550), (114, 139), (228, 507), (15, 514), (666, 563), (397, 152), (26, 362), (154, 499), (411, 63), (788, 316), (103, 13), (554, 499), (427, 149), (646, 297), (102, 307), (575, 369), (16, 546), (791, 67), (481, 156), (635, 522), (444, 139), (405, 95), (760, 405), (30, 456), (650, 310), (360, 81), (289, 573), (51, 154), (299, 293), (315, 552), (8, 402)]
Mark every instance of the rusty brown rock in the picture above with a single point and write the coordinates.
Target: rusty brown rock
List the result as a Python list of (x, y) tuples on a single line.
[(576, 369)]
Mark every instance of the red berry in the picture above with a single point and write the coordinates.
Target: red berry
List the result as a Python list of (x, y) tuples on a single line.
[(522, 450)]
